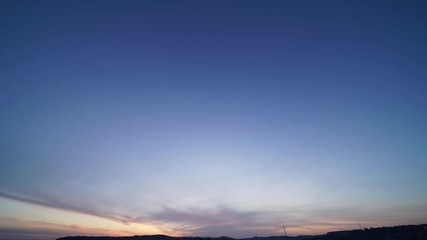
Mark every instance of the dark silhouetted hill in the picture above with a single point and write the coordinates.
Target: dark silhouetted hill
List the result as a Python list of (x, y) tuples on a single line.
[(408, 232)]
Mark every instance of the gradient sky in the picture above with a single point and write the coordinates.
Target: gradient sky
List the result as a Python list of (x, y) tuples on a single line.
[(211, 118)]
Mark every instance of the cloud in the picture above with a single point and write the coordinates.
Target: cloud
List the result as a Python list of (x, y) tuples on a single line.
[(212, 221), (66, 207), (226, 220), (12, 228), (204, 216), (231, 222), (216, 221)]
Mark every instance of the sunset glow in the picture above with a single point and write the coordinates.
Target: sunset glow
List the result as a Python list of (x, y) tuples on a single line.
[(211, 118)]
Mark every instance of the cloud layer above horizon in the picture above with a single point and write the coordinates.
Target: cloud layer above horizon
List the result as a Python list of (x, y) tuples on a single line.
[(211, 118)]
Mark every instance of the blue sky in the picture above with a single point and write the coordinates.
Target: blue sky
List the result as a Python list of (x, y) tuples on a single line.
[(211, 118)]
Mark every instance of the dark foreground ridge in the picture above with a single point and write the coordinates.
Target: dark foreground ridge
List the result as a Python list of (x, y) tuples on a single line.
[(408, 232)]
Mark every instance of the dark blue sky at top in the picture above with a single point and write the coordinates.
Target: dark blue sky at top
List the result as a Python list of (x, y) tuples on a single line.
[(278, 41), (279, 57), (330, 86), (222, 54)]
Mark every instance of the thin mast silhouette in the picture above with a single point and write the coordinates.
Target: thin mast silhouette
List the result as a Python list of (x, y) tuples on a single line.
[(284, 230)]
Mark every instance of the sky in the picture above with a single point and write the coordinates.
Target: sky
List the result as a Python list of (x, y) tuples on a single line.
[(211, 118)]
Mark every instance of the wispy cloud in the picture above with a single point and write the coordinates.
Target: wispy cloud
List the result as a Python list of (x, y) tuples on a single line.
[(237, 223), (66, 207), (196, 221), (216, 220), (210, 222), (20, 229), (205, 216)]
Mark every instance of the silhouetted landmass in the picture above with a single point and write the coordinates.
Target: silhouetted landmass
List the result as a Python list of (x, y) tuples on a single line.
[(408, 232)]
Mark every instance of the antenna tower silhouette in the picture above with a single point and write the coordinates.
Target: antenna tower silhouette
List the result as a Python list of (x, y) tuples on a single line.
[(284, 230), (360, 226)]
